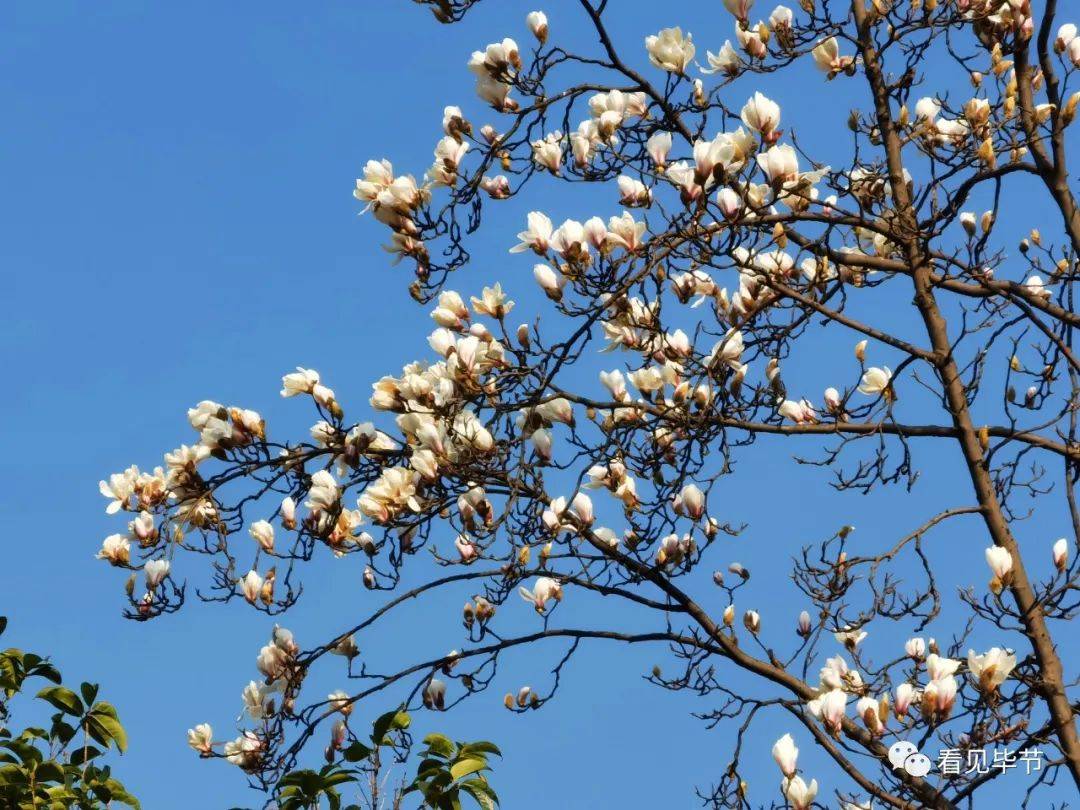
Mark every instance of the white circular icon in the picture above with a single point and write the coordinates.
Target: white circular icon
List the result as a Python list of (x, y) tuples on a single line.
[(917, 765), (899, 751), (904, 754)]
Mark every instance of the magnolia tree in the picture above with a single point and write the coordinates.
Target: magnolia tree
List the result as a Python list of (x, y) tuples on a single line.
[(723, 251)]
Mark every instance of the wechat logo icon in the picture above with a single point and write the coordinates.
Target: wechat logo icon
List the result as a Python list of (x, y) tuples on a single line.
[(904, 755)]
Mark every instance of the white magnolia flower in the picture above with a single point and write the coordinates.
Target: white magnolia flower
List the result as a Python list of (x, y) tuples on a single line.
[(1000, 561), (800, 794), (544, 590), (786, 755), (245, 751), (302, 381), (690, 502), (762, 115), (538, 235), (875, 380), (263, 533), (939, 668), (850, 638), (828, 59), (435, 695), (201, 738), (830, 708), (990, 669), (251, 585), (915, 648), (780, 164), (538, 24), (658, 147), (1060, 554), (726, 60), (547, 151), (740, 9), (905, 695), (116, 549), (670, 50), (155, 571), (939, 696), (869, 710)]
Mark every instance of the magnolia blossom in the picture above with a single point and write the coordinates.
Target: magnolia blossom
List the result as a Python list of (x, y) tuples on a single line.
[(850, 638), (115, 549), (725, 61), (1037, 287), (690, 502), (827, 57), (346, 647), (251, 585), (739, 8), (915, 648), (905, 695), (990, 669), (537, 22), (302, 381), (875, 381), (870, 710), (752, 621), (245, 751), (927, 109), (538, 235), (155, 571), (762, 115), (465, 548), (1060, 554), (263, 534), (201, 738), (798, 793), (780, 164), (658, 147), (830, 708), (633, 193), (1065, 35), (786, 755), (670, 50), (435, 695), (800, 412), (751, 40), (547, 152), (939, 668), (939, 696), (1000, 561), (544, 590)]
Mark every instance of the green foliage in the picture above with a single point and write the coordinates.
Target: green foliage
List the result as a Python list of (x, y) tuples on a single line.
[(58, 767), (447, 772)]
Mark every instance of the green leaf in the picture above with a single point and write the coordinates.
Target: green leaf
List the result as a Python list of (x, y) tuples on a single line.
[(357, 752), (116, 731), (483, 794), (63, 699), (48, 772), (464, 767), (440, 745), (480, 747), (84, 754), (89, 692), (105, 707), (391, 721), (12, 775)]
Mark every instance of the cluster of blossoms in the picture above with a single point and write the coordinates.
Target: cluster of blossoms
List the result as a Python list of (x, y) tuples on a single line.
[(724, 245)]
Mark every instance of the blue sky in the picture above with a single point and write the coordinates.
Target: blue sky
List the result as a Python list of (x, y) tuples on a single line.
[(179, 226)]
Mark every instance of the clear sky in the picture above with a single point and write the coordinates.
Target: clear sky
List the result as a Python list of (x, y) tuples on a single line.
[(178, 225)]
